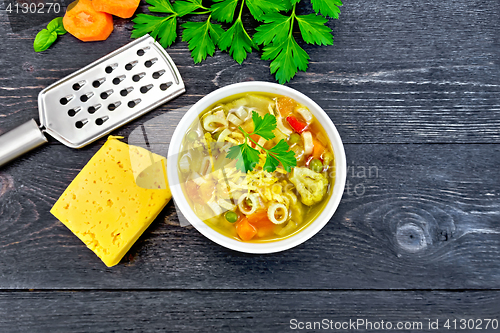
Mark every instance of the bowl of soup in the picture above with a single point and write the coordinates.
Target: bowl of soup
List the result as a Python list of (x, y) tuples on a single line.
[(256, 167)]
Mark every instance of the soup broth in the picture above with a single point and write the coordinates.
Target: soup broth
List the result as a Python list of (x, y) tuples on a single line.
[(256, 204)]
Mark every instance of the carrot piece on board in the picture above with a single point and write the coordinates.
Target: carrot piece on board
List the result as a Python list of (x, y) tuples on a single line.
[(85, 23), (245, 230), (120, 8)]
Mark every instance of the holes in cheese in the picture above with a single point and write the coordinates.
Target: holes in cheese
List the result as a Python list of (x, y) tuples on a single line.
[(105, 207)]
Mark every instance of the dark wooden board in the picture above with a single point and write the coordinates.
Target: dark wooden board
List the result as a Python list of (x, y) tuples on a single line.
[(414, 90), (244, 311), (398, 73), (428, 218)]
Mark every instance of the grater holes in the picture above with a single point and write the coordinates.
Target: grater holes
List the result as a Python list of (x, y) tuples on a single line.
[(130, 65), (137, 77), (78, 85), (126, 91), (97, 83), (113, 106), (100, 121), (65, 100), (157, 74), (141, 52), (106, 94), (118, 79), (150, 62), (80, 123), (133, 103), (165, 86), (110, 68), (92, 109), (145, 89), (73, 112), (86, 97)]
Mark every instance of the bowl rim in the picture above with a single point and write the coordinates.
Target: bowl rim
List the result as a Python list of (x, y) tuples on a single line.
[(249, 247)]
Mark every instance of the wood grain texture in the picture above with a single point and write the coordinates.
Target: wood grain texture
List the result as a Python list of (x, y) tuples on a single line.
[(427, 219), (414, 90), (398, 73), (238, 311)]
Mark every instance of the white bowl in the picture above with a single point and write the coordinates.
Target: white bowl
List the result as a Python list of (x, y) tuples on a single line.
[(269, 247)]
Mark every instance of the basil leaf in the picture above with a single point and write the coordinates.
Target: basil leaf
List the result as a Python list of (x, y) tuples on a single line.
[(57, 26), (43, 40)]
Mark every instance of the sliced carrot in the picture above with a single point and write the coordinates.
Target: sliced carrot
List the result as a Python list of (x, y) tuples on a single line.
[(85, 23), (245, 230), (286, 105), (318, 149), (259, 219), (254, 137), (120, 8), (192, 192)]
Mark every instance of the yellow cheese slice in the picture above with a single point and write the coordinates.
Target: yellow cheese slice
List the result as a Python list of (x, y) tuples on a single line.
[(105, 207)]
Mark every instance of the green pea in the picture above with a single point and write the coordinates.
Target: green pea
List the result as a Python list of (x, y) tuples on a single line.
[(216, 135), (294, 138), (192, 136), (316, 165), (231, 217)]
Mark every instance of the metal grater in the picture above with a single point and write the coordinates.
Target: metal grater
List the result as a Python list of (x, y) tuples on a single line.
[(99, 98)]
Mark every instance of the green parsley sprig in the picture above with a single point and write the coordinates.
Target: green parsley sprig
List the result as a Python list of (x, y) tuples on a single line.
[(248, 157), (279, 19)]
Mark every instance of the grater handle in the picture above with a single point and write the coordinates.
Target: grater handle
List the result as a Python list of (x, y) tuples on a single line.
[(20, 140)]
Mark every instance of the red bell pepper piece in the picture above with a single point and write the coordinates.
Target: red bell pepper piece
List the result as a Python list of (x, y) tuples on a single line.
[(297, 125)]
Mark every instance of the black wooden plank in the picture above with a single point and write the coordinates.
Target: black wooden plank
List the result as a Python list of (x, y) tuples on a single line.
[(427, 219), (398, 72), (254, 311)]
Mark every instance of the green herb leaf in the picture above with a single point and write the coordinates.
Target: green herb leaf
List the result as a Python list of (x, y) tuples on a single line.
[(56, 25), (202, 37), (264, 127), (160, 6), (275, 29), (163, 28), (287, 58), (313, 29), (167, 32), (238, 42), (246, 156), (271, 163), (223, 10), (44, 40), (186, 7), (282, 153), (327, 7), (145, 23), (260, 7)]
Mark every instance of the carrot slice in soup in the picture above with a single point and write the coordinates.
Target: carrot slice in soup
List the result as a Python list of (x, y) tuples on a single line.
[(318, 149), (120, 8), (286, 105), (256, 138), (260, 221), (85, 23), (245, 230)]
